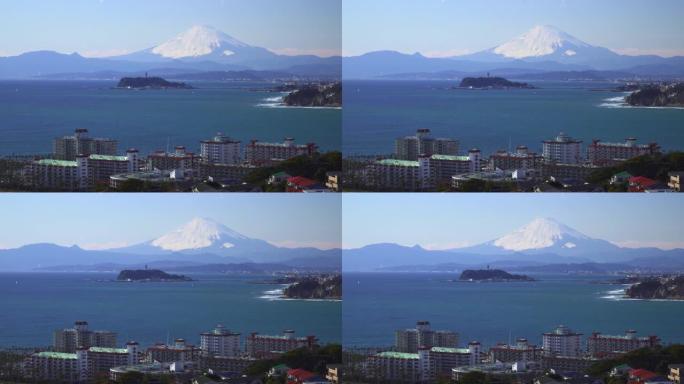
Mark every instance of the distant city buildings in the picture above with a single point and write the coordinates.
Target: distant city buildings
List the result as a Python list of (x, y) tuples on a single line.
[(416, 358), (423, 163), (80, 355), (80, 163)]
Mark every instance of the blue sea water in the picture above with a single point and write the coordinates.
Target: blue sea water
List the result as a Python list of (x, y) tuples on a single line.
[(376, 112), (35, 304), (32, 113), (376, 304)]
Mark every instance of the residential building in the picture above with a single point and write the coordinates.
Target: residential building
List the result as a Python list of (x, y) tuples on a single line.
[(600, 345), (675, 181), (236, 364), (220, 342), (675, 374), (81, 366), (522, 350), (499, 371), (221, 150), (567, 364), (180, 159), (279, 178), (71, 339), (522, 158), (436, 169), (68, 147), (424, 366), (260, 153), (562, 342), (334, 373), (154, 372), (576, 172), (178, 351), (412, 147), (606, 154), (334, 181), (226, 173), (82, 173), (563, 149), (395, 174), (410, 340), (258, 345)]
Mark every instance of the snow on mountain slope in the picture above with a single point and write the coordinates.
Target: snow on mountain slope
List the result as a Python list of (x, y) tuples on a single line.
[(198, 41), (541, 40), (196, 234), (540, 233)]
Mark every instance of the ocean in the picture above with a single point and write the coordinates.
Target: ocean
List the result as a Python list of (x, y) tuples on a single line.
[(32, 113), (377, 304), (377, 112), (35, 304)]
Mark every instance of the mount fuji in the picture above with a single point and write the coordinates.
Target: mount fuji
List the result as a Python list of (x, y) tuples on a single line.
[(198, 49), (543, 48), (542, 241), (199, 242)]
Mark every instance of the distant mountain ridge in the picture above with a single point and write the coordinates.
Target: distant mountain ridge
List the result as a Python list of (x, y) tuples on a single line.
[(200, 48), (539, 243), (199, 242), (543, 48)]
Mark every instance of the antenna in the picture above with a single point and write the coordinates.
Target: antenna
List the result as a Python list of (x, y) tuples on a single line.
[(168, 143)]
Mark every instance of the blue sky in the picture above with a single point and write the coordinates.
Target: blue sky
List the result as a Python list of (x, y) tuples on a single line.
[(106, 220), (104, 27), (440, 221), (451, 27)]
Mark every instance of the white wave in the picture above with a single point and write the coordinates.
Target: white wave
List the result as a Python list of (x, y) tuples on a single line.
[(277, 295), (277, 102)]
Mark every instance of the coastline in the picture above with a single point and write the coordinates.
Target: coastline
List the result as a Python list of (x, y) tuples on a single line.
[(277, 295), (277, 102), (620, 295)]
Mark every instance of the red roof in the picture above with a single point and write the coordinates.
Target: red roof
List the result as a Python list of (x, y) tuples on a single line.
[(300, 374), (301, 181), (641, 180), (642, 374)]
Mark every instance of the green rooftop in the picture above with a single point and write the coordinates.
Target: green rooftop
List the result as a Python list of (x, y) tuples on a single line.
[(110, 158), (58, 355), (108, 350), (398, 355), (450, 158), (398, 163), (450, 350), (57, 163)]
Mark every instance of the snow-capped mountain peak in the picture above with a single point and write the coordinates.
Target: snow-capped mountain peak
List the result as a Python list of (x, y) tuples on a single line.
[(199, 40), (198, 233), (540, 233), (541, 40)]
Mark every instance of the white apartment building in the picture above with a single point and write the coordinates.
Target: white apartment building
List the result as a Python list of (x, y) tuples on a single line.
[(424, 366), (68, 147), (220, 342), (81, 366), (81, 173), (221, 150), (563, 149), (562, 342)]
